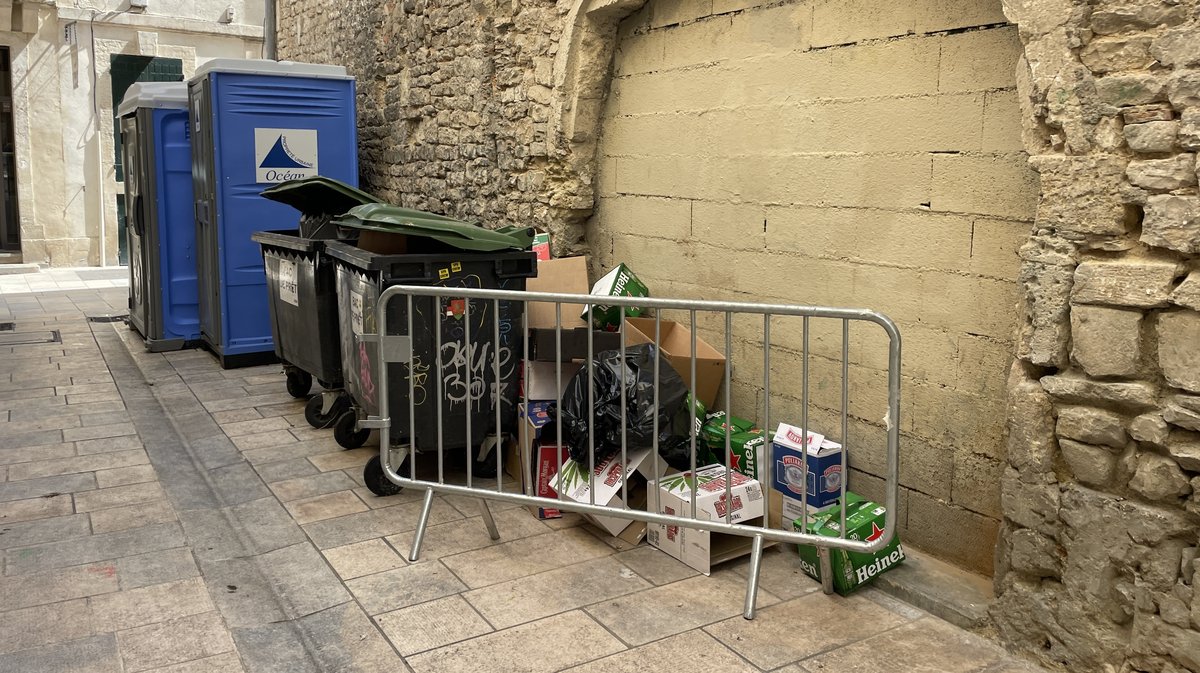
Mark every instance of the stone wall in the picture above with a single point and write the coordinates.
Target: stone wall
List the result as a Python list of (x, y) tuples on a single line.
[(455, 105), (1097, 559), (819, 153)]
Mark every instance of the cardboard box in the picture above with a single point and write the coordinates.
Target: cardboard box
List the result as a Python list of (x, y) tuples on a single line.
[(792, 509), (567, 275), (609, 476), (676, 342), (620, 282), (817, 470), (698, 548), (543, 345), (532, 462), (865, 520), (541, 245), (747, 443), (542, 385), (549, 457)]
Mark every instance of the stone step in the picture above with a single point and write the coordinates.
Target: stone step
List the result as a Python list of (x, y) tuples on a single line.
[(943, 590), (8, 269)]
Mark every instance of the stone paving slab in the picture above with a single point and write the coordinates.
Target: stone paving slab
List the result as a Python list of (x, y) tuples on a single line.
[(198, 525)]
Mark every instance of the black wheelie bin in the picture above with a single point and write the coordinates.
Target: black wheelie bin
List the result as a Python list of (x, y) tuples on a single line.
[(302, 297), (441, 252)]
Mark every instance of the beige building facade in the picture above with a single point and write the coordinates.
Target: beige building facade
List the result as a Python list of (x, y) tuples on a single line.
[(64, 60)]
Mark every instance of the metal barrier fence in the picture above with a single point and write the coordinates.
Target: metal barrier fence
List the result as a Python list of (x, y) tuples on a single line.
[(399, 348)]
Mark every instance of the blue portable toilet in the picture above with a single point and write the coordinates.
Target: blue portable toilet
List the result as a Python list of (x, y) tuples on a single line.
[(161, 231), (256, 123)]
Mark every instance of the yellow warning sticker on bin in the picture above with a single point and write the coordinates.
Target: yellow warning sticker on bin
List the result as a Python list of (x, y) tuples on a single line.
[(443, 274), (456, 267)]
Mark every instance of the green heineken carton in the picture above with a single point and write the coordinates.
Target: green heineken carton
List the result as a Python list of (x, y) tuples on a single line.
[(746, 442), (620, 282), (864, 520), (714, 428)]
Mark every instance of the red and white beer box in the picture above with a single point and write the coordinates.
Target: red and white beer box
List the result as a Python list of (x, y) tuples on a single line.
[(703, 549), (573, 483)]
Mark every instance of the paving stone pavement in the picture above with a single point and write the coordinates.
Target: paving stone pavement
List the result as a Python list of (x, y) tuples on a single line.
[(159, 514)]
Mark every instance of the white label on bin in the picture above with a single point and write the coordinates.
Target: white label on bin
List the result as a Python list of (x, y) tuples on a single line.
[(356, 313), (285, 154), (288, 290)]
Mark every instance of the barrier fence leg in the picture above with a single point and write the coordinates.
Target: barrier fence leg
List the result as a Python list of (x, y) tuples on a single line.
[(488, 520), (752, 578), (826, 569), (422, 522)]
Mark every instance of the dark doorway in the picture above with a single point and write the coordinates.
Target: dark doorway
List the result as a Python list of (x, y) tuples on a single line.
[(10, 220), (125, 69)]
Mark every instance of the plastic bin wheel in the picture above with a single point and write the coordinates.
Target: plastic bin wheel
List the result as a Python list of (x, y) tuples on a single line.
[(345, 434), (312, 411), (298, 383), (376, 482)]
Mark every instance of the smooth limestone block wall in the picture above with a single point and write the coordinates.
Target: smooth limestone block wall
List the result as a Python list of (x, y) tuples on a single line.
[(842, 154)]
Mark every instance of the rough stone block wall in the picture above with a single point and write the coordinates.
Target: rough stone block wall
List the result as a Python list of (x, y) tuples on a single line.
[(454, 104), (838, 154), (1098, 556)]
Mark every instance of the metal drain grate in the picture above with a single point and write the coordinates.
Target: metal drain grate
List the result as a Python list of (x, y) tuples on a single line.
[(108, 317), (26, 338)]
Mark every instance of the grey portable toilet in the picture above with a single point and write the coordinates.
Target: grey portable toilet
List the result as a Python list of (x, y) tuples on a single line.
[(156, 139)]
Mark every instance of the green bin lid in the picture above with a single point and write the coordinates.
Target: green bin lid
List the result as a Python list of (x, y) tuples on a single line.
[(318, 195), (452, 232)]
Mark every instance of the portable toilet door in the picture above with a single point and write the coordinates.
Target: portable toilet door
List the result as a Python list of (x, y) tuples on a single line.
[(256, 123), (161, 236)]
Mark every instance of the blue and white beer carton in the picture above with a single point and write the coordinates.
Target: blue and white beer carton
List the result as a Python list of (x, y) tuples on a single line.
[(816, 468)]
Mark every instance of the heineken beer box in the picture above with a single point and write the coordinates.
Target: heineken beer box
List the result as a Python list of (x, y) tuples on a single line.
[(817, 469), (620, 282), (702, 549), (865, 520), (573, 483), (746, 443), (794, 508)]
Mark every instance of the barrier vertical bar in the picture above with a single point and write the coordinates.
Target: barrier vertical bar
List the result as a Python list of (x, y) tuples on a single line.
[(804, 419), (624, 420), (412, 396), (437, 356), (845, 416), (728, 416), (498, 400), (693, 401), (657, 357), (591, 411), (763, 466), (558, 384), (470, 387)]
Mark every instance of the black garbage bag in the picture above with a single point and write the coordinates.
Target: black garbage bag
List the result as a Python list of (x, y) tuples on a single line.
[(640, 411)]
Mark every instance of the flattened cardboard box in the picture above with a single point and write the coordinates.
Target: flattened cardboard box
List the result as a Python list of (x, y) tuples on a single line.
[(573, 483), (703, 549)]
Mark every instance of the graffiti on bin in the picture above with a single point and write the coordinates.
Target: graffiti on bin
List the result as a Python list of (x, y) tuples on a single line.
[(364, 373), (458, 359), (420, 374)]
